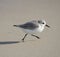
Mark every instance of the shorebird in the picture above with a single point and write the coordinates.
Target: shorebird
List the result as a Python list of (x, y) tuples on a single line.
[(32, 27)]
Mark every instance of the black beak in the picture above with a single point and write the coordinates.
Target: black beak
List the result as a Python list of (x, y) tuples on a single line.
[(47, 26)]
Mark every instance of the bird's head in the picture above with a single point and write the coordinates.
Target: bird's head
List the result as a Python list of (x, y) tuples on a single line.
[(43, 23)]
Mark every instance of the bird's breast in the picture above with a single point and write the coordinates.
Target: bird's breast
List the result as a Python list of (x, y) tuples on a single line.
[(40, 28)]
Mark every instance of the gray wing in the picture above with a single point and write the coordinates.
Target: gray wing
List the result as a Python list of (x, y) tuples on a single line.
[(29, 25)]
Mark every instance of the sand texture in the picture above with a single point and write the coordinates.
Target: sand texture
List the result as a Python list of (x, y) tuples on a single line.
[(20, 11)]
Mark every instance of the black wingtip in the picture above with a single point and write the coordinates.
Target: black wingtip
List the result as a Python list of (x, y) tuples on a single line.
[(15, 25)]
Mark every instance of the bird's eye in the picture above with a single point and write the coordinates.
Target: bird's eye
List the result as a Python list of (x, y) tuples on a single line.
[(43, 23)]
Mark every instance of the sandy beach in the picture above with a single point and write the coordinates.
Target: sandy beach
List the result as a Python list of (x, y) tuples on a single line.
[(20, 11)]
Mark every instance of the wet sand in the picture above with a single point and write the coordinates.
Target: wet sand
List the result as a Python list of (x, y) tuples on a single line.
[(20, 11)]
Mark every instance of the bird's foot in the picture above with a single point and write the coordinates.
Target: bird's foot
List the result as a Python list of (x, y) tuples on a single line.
[(38, 37)]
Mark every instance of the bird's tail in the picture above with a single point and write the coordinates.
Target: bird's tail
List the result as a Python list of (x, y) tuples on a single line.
[(16, 25)]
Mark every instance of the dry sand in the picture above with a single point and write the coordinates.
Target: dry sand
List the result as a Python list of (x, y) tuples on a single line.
[(19, 11)]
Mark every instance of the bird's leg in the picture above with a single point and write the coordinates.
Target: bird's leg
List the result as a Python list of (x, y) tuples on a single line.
[(36, 36), (24, 37)]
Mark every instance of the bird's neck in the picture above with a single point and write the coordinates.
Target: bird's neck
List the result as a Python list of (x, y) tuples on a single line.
[(41, 27)]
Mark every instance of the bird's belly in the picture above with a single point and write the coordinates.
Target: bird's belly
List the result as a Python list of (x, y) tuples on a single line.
[(30, 31)]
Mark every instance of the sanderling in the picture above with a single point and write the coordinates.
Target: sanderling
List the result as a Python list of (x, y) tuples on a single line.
[(32, 27)]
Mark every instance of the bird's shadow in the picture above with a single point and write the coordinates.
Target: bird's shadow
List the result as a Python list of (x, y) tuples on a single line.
[(8, 42), (12, 42)]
